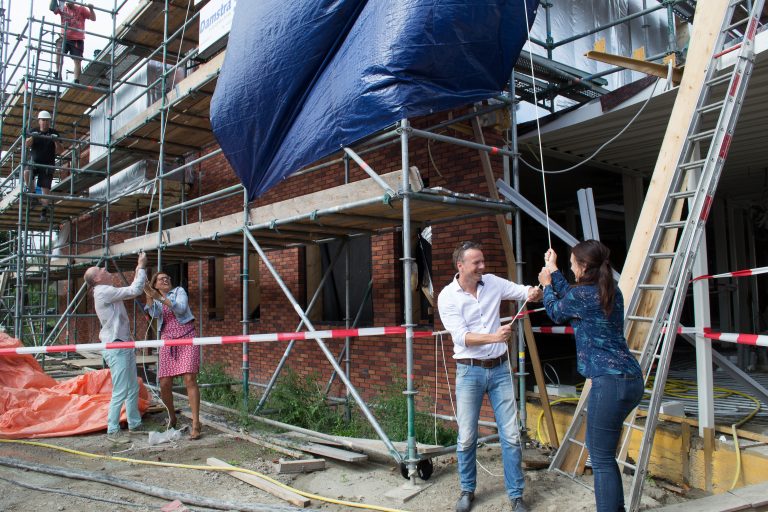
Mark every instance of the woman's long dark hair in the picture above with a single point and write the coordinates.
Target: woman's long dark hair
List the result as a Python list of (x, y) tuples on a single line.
[(597, 270)]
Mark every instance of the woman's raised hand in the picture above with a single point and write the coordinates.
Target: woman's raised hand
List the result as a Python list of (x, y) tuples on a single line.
[(550, 260)]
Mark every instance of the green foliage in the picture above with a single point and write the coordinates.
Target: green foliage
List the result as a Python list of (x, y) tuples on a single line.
[(229, 396), (391, 407), (300, 401)]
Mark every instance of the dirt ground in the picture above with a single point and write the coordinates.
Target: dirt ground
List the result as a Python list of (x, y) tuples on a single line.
[(363, 483)]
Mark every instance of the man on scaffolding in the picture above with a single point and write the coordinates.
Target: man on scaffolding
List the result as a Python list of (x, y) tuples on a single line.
[(43, 145), (469, 309), (73, 18)]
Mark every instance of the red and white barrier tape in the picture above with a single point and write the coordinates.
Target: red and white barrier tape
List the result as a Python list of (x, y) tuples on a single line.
[(558, 329), (760, 340), (229, 340), (216, 340), (737, 273)]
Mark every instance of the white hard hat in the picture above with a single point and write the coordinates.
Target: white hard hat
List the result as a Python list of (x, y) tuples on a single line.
[(44, 114)]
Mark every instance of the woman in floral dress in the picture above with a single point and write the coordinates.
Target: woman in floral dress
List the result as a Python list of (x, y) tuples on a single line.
[(175, 320)]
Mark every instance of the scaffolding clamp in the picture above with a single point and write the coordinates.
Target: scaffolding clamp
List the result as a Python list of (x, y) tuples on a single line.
[(313, 216), (188, 242), (387, 199), (273, 225)]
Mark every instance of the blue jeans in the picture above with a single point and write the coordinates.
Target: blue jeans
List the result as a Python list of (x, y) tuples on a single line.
[(125, 388), (611, 399), (472, 383)]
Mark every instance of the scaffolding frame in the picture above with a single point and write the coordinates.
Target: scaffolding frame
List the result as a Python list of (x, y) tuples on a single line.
[(30, 256)]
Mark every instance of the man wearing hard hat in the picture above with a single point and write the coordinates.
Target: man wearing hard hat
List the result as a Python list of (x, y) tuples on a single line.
[(43, 145)]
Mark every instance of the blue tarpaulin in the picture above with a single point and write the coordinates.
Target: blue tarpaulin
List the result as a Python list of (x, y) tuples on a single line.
[(301, 79)]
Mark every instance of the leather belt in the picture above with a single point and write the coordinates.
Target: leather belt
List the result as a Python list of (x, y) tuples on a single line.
[(484, 363)]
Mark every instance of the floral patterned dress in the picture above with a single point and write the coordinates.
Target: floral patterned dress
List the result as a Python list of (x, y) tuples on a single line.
[(177, 360)]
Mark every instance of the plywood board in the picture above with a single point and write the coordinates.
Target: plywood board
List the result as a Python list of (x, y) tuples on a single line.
[(264, 485)]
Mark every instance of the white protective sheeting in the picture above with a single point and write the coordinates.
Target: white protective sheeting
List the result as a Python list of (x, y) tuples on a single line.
[(569, 18), (130, 100), (134, 179)]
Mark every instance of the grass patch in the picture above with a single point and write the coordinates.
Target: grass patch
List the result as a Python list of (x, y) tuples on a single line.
[(300, 400)]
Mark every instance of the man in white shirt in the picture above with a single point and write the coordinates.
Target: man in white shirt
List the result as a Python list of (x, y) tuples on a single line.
[(469, 310), (115, 326)]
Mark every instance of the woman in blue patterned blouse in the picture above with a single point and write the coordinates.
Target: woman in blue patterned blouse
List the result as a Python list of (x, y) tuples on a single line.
[(594, 307)]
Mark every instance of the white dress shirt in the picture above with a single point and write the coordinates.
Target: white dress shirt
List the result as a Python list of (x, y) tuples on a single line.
[(462, 313), (111, 311)]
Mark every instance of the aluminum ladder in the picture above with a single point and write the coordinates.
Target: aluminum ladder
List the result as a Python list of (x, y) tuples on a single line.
[(665, 274)]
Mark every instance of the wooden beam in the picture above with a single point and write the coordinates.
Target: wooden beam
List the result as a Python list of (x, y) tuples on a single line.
[(329, 452), (305, 204), (273, 489), (649, 68), (285, 467), (509, 254)]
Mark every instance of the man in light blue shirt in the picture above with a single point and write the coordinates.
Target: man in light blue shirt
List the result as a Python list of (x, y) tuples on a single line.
[(469, 310), (115, 326)]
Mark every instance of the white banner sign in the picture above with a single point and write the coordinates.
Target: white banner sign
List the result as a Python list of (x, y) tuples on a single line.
[(215, 22)]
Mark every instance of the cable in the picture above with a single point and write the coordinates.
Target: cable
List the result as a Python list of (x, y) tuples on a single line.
[(557, 377), (225, 469), (78, 495), (599, 149)]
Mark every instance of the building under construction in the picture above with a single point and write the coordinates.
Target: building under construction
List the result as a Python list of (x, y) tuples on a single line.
[(652, 142)]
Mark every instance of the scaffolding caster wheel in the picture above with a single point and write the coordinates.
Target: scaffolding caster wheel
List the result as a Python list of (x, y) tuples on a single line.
[(424, 468)]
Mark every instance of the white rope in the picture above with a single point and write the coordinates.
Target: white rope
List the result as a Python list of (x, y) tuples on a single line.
[(538, 124)]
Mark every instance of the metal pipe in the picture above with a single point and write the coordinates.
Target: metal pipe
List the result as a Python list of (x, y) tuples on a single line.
[(346, 348), (369, 171), (408, 261), (287, 351), (518, 252), (496, 206), (246, 312), (460, 142), (19, 305), (347, 306), (613, 23), (201, 200), (161, 157), (364, 408)]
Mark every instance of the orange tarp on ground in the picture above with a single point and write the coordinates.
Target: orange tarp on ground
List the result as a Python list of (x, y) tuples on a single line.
[(32, 404)]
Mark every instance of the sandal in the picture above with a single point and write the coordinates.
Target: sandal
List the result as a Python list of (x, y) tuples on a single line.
[(195, 433)]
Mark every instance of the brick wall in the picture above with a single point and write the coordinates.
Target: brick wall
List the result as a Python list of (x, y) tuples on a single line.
[(375, 361)]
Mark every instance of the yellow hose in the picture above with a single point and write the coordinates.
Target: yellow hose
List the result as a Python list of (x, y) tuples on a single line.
[(738, 457), (205, 468), (539, 430)]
